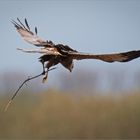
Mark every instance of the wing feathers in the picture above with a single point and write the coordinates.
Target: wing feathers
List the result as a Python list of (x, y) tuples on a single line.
[(28, 35), (36, 30), (27, 24), (120, 57), (22, 24)]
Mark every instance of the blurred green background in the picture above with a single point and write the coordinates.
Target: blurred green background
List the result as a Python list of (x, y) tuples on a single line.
[(76, 113)]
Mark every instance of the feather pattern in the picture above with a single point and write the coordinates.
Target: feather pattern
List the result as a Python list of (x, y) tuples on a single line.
[(63, 54), (120, 57), (28, 35)]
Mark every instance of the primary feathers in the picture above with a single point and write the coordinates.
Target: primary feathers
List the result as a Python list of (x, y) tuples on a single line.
[(63, 54)]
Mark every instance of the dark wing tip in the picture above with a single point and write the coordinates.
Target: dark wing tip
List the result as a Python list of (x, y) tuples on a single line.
[(15, 24), (36, 30), (21, 24), (27, 24), (131, 55), (18, 19)]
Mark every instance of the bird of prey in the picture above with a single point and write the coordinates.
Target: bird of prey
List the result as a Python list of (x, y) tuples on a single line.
[(53, 54)]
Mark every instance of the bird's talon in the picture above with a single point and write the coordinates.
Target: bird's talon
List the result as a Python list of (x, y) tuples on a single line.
[(43, 73), (45, 78)]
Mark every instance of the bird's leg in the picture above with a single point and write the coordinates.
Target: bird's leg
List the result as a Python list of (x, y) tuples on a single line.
[(49, 64), (43, 73), (42, 62), (46, 76)]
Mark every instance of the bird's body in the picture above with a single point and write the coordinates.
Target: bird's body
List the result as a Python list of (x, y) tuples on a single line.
[(53, 54)]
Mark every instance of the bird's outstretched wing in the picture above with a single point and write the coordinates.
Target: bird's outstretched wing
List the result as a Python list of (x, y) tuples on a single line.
[(120, 57), (26, 34)]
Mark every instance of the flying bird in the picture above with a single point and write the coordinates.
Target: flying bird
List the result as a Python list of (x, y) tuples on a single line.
[(53, 54)]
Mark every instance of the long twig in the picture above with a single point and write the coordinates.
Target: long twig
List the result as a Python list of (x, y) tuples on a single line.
[(24, 82)]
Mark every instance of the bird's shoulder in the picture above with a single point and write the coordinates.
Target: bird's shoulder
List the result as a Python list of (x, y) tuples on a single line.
[(64, 48)]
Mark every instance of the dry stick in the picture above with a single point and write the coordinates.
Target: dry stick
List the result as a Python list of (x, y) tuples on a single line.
[(30, 78)]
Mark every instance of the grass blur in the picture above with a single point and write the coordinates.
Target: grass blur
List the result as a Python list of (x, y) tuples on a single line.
[(55, 114)]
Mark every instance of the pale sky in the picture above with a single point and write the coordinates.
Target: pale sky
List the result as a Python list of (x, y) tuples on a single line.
[(94, 26)]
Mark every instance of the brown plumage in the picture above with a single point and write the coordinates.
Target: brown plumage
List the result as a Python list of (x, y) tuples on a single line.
[(63, 54)]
